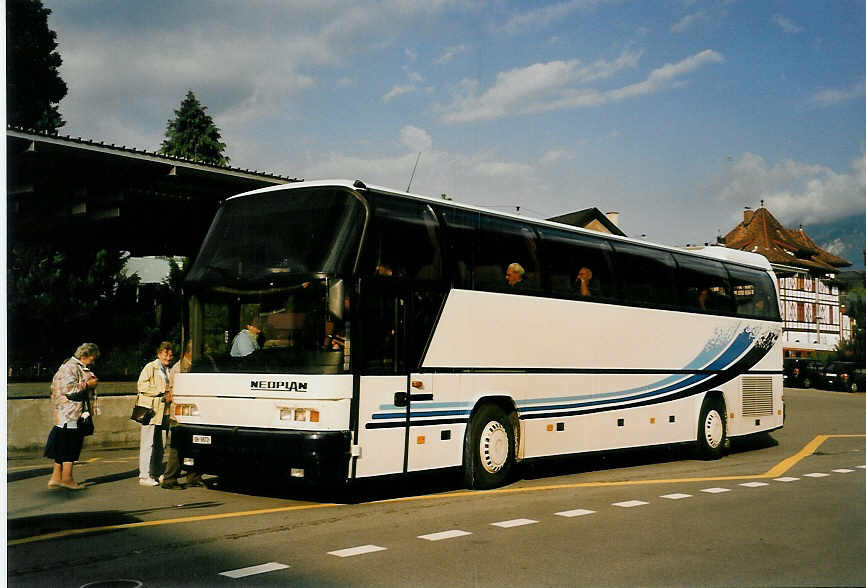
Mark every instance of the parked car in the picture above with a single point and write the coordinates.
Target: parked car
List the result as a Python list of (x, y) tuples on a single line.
[(857, 380), (840, 375), (801, 372)]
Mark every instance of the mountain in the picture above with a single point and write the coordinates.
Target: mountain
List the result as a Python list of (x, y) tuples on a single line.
[(845, 237)]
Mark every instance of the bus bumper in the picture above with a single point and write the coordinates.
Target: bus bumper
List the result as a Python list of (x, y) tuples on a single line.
[(319, 457)]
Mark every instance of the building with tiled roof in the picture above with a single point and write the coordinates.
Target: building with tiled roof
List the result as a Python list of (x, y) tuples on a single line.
[(813, 318)]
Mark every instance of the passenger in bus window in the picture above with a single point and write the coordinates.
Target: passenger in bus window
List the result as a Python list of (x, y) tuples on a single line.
[(583, 282), (702, 298), (514, 275), (246, 341)]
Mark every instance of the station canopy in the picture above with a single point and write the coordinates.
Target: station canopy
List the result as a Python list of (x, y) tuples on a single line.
[(73, 192)]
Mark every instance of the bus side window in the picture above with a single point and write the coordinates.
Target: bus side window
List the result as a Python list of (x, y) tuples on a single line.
[(753, 292), (503, 243), (703, 285), (566, 253), (462, 233), (645, 276), (405, 242)]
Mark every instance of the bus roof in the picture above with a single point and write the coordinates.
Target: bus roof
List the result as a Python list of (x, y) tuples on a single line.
[(713, 252)]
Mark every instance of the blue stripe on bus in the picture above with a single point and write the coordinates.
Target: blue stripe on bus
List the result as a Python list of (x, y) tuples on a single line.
[(720, 352), (429, 413), (736, 349)]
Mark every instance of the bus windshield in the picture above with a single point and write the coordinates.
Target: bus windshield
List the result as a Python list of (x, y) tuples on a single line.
[(266, 293), (290, 329), (262, 238)]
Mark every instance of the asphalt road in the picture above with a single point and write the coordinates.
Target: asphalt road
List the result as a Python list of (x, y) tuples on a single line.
[(782, 510)]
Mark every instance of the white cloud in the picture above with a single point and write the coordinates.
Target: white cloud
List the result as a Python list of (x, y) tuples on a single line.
[(160, 49), (483, 178), (834, 97), (555, 156), (449, 54), (797, 192), (544, 87), (416, 139), (786, 24), (544, 16), (836, 247), (686, 22), (396, 91)]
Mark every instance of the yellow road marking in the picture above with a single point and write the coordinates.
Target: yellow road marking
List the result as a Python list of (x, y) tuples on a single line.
[(774, 472), (212, 517)]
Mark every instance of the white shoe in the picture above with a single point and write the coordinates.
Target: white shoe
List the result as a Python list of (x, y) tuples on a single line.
[(147, 482), (161, 478)]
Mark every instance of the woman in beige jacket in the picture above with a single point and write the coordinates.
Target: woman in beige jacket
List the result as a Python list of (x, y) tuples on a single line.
[(154, 392)]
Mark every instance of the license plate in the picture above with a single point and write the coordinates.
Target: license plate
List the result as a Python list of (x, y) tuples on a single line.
[(201, 439)]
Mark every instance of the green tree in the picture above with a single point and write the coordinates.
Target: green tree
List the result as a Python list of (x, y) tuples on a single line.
[(59, 299), (191, 134), (33, 86), (856, 305)]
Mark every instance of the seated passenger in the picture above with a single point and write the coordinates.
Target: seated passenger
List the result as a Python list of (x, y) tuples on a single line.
[(582, 282), (514, 275), (246, 341)]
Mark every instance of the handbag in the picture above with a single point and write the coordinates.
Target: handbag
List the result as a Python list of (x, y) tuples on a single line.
[(142, 414), (85, 421)]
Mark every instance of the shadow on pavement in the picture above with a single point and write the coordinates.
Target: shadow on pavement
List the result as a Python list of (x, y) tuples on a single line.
[(44, 524), (448, 480), (111, 477)]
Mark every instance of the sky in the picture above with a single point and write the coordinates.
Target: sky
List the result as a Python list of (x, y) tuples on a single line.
[(675, 113)]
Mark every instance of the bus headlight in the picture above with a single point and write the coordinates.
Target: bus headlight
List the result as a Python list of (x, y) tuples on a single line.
[(299, 415), (185, 410)]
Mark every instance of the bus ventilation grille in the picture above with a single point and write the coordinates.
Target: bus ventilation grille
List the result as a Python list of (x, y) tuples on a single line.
[(757, 396)]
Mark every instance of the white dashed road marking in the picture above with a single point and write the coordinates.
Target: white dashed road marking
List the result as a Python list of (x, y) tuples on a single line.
[(444, 535), (360, 550), (715, 490), (253, 570), (513, 523), (816, 475), (786, 479), (843, 471), (754, 484), (862, 467), (630, 503), (676, 496), (578, 512)]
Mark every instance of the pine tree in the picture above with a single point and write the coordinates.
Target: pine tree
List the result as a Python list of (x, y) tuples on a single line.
[(33, 85), (191, 134)]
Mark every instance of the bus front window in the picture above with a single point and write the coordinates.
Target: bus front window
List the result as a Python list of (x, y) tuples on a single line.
[(298, 329)]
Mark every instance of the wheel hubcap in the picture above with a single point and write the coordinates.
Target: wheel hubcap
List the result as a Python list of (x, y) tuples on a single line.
[(494, 446), (713, 428)]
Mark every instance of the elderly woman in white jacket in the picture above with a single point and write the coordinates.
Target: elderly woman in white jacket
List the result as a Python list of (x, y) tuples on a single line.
[(154, 392)]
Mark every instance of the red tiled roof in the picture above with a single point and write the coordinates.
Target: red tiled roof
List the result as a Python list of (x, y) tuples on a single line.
[(761, 233)]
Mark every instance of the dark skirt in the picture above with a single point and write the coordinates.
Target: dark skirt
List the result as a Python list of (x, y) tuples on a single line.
[(64, 445)]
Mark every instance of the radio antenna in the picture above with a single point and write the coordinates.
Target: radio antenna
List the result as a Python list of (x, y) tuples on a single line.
[(412, 177)]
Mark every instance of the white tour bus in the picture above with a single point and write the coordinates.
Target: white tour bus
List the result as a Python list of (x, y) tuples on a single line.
[(384, 337)]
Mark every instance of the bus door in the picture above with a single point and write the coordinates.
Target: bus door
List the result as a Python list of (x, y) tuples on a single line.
[(431, 435), (382, 408)]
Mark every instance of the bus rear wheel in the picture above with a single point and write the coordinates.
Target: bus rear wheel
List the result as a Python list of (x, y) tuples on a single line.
[(712, 429), (489, 448)]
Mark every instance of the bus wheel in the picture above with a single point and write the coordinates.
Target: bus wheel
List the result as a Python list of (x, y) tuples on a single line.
[(488, 452), (712, 429)]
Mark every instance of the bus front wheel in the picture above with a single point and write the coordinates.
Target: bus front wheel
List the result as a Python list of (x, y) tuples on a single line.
[(712, 429), (488, 452)]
